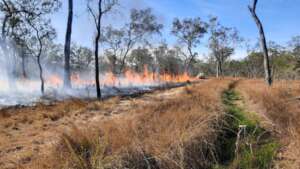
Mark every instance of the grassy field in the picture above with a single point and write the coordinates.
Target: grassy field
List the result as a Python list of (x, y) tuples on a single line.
[(280, 108), (217, 124)]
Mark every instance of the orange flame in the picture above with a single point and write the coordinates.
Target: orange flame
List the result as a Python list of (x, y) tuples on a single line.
[(54, 80), (128, 79)]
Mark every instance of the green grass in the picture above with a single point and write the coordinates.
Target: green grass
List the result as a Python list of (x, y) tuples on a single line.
[(256, 148)]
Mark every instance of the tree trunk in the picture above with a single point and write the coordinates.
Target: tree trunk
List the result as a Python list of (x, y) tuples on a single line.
[(38, 56), (41, 74), (263, 44), (190, 59), (219, 69), (39, 62), (122, 66), (23, 64), (67, 50), (97, 51), (114, 64), (97, 67)]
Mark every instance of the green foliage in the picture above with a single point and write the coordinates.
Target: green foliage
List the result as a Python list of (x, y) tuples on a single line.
[(265, 154), (168, 60), (244, 144), (139, 58), (189, 31)]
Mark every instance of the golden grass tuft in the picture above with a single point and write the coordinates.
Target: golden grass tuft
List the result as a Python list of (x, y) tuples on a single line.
[(173, 133)]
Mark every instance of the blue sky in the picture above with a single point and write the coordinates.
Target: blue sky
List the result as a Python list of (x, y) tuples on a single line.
[(281, 18)]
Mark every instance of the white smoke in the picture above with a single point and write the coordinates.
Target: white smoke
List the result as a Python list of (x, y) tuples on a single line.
[(17, 90)]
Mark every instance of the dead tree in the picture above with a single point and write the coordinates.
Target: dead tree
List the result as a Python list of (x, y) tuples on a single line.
[(263, 43), (67, 50)]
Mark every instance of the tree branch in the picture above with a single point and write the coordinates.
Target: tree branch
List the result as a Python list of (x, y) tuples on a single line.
[(93, 14)]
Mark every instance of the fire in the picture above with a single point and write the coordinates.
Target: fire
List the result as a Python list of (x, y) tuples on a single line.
[(54, 80), (129, 78), (78, 81)]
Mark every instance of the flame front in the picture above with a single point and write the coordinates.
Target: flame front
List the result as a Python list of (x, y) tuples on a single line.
[(130, 78)]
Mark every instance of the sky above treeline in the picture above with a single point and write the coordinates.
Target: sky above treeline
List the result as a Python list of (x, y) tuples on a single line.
[(281, 18)]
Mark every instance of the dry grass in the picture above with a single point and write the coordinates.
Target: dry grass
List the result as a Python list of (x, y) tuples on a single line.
[(176, 129), (278, 104), (51, 112), (26, 133), (178, 132)]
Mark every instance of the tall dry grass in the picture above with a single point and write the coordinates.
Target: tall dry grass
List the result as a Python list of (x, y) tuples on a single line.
[(280, 105), (176, 133)]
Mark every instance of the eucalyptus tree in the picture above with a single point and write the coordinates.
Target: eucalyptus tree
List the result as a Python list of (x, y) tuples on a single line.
[(114, 39), (143, 24), (294, 45), (42, 31), (189, 32), (81, 58), (15, 28), (254, 65), (97, 9), (222, 42), (263, 42), (140, 58), (18, 42), (37, 23), (16, 12), (11, 14), (168, 60)]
